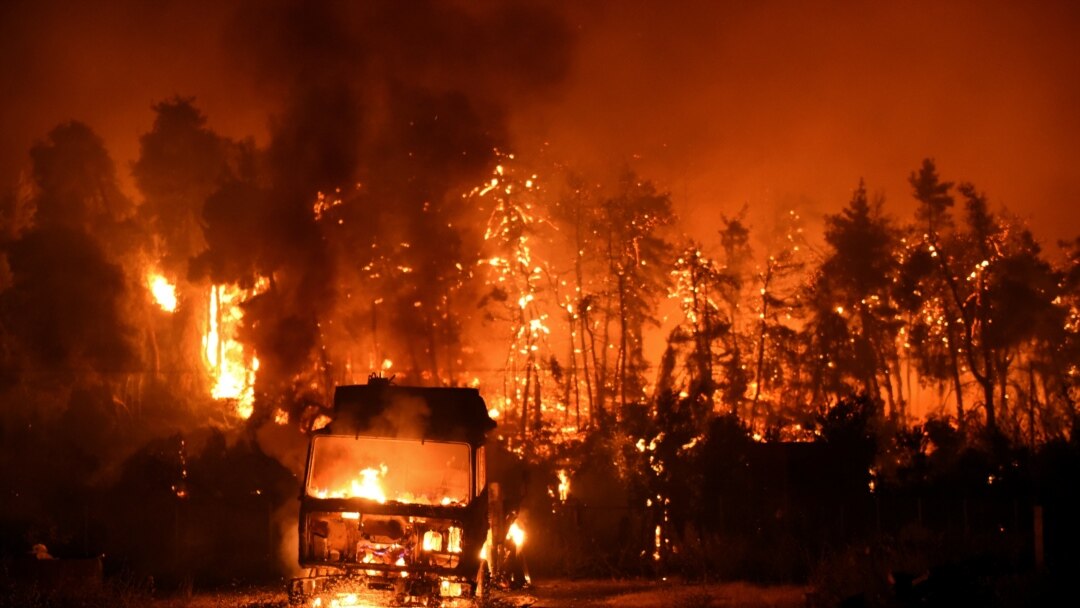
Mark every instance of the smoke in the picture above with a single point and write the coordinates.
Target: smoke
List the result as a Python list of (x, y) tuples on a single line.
[(405, 417), (68, 299), (392, 111)]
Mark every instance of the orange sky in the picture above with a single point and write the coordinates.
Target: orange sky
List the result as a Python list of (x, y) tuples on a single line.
[(722, 103)]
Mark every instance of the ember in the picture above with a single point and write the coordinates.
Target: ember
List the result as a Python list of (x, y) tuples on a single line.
[(669, 341)]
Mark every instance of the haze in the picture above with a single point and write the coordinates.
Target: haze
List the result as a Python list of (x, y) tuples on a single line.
[(722, 103)]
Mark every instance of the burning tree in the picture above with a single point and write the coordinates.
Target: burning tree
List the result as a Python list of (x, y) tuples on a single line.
[(699, 285), (777, 382), (634, 247), (183, 168), (854, 323), (973, 283), (518, 277)]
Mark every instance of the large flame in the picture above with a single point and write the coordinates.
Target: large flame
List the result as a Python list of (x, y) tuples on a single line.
[(517, 534), (232, 371), (366, 485), (163, 291)]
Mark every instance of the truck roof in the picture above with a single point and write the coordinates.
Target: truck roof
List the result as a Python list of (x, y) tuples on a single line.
[(382, 409)]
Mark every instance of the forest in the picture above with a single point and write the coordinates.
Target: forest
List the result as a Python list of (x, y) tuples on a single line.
[(157, 343)]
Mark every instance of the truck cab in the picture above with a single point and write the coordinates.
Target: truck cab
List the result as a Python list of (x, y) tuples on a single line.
[(395, 502)]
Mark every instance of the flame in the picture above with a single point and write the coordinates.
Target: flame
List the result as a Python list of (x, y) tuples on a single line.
[(320, 422), (658, 541), (367, 486), (453, 539), (564, 485), (163, 291), (432, 541), (232, 371), (517, 534), (449, 588), (281, 416)]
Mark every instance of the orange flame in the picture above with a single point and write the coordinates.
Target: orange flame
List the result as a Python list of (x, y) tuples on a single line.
[(517, 534), (365, 486), (232, 372), (564, 485), (163, 291)]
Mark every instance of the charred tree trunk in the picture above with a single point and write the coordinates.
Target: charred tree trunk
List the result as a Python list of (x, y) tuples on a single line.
[(958, 385), (623, 347), (759, 364), (584, 323), (538, 409)]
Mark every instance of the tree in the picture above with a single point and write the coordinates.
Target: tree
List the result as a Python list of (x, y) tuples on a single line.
[(935, 202), (854, 320), (636, 252), (935, 334), (575, 213), (778, 359), (181, 163), (735, 242), (699, 284), (991, 289), (516, 281), (70, 297)]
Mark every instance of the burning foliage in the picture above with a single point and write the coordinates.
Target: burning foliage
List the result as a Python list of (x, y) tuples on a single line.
[(164, 354)]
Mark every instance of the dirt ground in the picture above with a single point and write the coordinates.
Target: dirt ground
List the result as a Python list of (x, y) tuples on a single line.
[(563, 594), (644, 594)]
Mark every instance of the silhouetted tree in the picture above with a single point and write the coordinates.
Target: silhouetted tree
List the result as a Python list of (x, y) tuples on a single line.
[(70, 296), (934, 335), (778, 345), (181, 163), (700, 286), (853, 324), (637, 256)]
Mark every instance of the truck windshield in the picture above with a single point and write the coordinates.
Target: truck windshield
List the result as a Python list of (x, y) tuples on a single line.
[(389, 470)]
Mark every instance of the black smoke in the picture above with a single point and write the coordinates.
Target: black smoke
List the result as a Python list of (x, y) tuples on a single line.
[(394, 109)]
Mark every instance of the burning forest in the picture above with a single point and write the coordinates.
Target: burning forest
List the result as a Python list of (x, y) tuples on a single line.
[(743, 389)]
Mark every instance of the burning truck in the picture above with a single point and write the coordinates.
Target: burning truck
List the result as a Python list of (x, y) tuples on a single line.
[(396, 507)]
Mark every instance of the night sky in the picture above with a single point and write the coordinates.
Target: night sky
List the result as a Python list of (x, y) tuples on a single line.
[(722, 103)]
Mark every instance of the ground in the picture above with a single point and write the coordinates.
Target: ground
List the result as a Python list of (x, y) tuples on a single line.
[(564, 594)]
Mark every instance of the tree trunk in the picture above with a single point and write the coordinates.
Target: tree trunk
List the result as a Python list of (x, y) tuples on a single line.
[(759, 372)]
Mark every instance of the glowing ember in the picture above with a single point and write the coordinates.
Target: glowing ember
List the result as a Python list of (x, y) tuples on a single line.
[(163, 291), (658, 542)]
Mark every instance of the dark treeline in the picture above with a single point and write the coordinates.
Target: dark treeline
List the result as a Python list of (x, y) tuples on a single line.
[(915, 352)]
